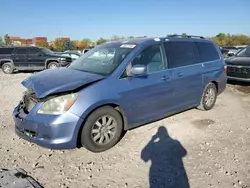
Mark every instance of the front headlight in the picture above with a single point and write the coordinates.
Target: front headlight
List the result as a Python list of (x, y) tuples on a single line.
[(58, 105)]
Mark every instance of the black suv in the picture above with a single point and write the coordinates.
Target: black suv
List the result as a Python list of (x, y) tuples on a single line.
[(238, 66), (30, 58)]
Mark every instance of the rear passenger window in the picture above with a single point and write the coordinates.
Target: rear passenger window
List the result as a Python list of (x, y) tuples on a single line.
[(21, 51), (6, 50), (207, 51), (180, 54)]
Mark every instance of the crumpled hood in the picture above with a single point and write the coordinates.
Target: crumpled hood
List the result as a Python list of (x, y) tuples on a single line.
[(59, 80)]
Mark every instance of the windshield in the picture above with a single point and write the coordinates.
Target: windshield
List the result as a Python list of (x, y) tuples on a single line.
[(244, 52), (47, 51), (103, 59)]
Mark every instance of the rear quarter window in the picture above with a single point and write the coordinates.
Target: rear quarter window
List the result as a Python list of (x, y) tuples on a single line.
[(6, 50), (207, 51)]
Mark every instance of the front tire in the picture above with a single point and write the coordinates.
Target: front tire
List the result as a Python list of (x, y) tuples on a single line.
[(7, 68), (53, 65), (209, 97), (102, 129)]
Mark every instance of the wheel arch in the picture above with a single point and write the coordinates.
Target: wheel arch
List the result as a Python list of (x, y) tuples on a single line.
[(215, 83), (2, 61), (49, 61), (111, 104)]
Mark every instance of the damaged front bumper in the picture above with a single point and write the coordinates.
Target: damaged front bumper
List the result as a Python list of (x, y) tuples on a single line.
[(49, 131)]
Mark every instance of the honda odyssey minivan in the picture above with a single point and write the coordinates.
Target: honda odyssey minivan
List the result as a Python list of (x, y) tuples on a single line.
[(118, 86)]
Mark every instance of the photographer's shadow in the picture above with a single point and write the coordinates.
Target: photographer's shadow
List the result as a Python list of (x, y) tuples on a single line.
[(167, 169)]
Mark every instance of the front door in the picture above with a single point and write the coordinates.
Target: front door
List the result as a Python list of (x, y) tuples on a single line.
[(35, 59), (20, 59), (147, 97), (187, 73)]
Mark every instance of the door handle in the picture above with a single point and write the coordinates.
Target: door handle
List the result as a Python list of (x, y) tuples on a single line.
[(17, 58), (29, 58), (180, 74), (165, 78)]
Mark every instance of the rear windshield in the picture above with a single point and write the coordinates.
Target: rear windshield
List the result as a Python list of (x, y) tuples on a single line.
[(6, 50)]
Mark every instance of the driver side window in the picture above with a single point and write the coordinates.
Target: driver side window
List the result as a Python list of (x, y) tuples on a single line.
[(151, 57)]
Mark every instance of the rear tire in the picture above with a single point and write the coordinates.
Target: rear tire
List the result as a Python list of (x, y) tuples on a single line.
[(53, 65), (102, 129), (208, 98), (8, 68)]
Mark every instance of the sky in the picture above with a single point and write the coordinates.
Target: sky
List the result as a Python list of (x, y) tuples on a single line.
[(93, 19)]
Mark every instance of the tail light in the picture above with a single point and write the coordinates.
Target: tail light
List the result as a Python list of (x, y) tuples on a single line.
[(225, 68)]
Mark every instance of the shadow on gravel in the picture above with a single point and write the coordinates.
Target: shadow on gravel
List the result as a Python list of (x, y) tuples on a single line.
[(167, 169), (26, 72)]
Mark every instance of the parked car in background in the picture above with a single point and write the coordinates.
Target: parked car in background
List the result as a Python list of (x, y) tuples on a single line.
[(98, 97), (74, 51), (239, 66), (85, 51), (74, 55), (232, 50), (224, 51), (30, 58)]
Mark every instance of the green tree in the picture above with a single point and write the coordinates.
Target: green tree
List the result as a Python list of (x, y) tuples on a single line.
[(59, 45), (175, 34), (223, 39), (74, 45), (184, 35), (42, 44), (131, 37), (115, 38), (7, 39), (1, 41), (87, 41), (101, 41)]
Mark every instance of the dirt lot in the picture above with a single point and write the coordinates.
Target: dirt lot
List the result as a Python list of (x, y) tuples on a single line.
[(203, 149)]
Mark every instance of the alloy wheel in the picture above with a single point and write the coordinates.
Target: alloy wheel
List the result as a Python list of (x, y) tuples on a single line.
[(7, 68), (104, 130), (52, 66), (210, 97)]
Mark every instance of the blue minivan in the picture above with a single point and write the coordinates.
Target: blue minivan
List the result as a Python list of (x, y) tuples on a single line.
[(118, 86)]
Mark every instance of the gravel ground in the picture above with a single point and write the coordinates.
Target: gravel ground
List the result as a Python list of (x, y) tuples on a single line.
[(203, 149)]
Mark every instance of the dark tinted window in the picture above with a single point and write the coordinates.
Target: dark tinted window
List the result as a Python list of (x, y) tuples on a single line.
[(6, 50), (244, 53), (33, 51), (21, 51), (207, 51), (180, 53)]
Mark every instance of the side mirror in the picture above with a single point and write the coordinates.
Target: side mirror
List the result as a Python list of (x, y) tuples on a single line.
[(138, 70)]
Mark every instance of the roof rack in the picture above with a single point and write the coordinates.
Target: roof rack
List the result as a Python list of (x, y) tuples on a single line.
[(187, 36)]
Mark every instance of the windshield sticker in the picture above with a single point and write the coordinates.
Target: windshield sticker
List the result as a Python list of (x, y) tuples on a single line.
[(128, 46)]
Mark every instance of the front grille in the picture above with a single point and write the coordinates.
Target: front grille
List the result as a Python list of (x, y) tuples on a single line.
[(28, 133), (238, 71)]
